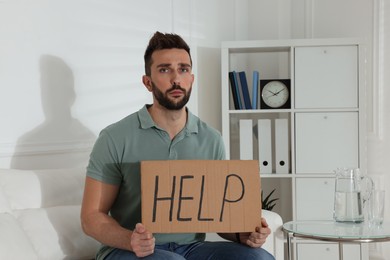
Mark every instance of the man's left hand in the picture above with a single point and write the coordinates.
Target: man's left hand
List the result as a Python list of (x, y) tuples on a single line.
[(258, 237)]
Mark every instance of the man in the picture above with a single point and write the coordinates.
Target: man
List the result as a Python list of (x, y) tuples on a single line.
[(164, 130)]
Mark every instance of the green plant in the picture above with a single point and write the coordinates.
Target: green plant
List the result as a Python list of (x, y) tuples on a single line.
[(267, 203)]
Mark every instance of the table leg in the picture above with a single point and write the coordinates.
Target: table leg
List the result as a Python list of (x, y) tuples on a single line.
[(340, 251), (289, 246)]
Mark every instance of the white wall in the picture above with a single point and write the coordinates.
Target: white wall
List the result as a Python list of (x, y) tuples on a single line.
[(68, 68)]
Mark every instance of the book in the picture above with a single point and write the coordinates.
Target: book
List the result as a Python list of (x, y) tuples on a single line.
[(234, 90), (237, 87), (255, 89), (245, 90)]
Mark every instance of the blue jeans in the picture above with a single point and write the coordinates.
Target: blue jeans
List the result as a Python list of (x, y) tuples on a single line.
[(197, 251)]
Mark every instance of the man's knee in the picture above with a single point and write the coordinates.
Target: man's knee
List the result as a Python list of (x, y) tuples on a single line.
[(256, 254), (118, 254)]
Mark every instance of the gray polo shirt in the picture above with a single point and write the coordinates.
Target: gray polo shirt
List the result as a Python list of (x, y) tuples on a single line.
[(116, 156)]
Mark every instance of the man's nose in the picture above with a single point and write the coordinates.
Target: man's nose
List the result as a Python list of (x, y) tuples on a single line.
[(175, 78)]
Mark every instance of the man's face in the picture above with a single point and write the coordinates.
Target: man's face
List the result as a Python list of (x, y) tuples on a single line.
[(171, 78), (164, 100)]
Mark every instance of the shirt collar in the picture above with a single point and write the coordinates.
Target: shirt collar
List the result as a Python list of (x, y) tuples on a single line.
[(146, 120)]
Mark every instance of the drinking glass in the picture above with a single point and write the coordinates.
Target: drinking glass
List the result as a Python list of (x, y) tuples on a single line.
[(376, 207)]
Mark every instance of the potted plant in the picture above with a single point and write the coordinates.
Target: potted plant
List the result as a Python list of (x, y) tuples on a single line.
[(267, 203)]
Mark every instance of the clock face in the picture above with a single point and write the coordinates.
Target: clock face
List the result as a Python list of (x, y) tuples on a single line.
[(275, 94)]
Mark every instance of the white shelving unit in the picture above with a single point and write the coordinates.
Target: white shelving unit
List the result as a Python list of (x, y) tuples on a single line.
[(326, 121)]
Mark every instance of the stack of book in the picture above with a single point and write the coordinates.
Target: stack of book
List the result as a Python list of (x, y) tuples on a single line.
[(240, 90)]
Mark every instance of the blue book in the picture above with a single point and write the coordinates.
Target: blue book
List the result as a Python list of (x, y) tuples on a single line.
[(234, 88), (240, 105), (245, 90), (255, 89)]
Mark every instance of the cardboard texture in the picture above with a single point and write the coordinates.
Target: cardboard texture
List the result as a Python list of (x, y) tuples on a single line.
[(200, 195)]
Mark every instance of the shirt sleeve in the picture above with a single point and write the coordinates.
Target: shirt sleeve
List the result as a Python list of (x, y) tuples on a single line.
[(221, 150), (104, 164)]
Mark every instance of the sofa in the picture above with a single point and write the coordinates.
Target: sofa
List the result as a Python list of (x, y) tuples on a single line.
[(40, 217)]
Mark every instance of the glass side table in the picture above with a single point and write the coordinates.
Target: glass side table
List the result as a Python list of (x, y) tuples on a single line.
[(332, 231)]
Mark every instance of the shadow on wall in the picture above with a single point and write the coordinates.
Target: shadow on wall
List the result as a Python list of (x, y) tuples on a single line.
[(60, 141)]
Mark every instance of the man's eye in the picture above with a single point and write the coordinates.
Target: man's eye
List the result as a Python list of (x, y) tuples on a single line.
[(185, 70), (164, 70)]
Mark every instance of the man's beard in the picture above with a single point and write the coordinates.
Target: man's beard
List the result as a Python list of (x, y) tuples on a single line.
[(164, 101)]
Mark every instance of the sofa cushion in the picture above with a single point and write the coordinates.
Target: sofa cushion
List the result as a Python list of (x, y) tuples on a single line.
[(41, 209), (24, 189), (56, 233), (14, 243)]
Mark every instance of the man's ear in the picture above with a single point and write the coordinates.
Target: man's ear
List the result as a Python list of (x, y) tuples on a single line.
[(147, 82)]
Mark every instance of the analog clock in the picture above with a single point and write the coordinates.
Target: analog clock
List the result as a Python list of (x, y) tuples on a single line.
[(275, 94)]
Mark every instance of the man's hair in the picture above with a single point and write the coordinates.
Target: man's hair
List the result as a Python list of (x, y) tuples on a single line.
[(161, 41)]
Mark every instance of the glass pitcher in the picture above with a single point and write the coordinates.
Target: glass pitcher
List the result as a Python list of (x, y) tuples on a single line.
[(352, 191)]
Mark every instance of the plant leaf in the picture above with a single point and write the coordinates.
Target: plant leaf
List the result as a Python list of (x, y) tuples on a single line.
[(267, 202)]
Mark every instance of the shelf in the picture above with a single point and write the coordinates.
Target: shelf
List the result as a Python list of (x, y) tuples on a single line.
[(325, 124), (291, 110), (275, 45), (276, 175), (259, 111)]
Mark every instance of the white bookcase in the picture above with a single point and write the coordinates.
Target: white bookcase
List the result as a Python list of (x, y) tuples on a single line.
[(326, 123)]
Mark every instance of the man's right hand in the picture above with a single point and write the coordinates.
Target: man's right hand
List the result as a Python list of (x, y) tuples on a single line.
[(142, 241)]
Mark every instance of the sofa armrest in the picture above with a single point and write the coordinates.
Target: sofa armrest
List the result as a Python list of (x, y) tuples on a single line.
[(275, 241)]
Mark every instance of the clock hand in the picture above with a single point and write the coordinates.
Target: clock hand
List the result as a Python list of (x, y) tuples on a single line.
[(279, 91), (276, 93), (271, 92)]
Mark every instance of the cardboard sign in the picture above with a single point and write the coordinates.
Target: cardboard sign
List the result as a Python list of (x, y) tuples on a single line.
[(200, 196)]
